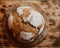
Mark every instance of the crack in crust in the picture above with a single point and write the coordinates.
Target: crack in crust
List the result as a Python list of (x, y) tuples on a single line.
[(19, 25)]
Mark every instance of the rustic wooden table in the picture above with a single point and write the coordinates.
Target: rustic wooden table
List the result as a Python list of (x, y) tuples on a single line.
[(52, 12)]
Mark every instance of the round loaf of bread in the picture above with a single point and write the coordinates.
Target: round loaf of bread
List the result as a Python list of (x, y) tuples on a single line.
[(26, 23)]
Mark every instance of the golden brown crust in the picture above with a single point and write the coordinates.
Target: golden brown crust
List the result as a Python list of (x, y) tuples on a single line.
[(25, 13), (19, 25)]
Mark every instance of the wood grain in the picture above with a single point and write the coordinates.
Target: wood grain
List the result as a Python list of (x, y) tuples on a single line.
[(52, 12)]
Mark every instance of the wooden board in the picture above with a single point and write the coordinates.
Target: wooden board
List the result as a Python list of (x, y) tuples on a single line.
[(51, 11)]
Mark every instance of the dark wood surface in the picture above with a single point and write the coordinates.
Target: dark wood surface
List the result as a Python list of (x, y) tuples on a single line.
[(52, 13)]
